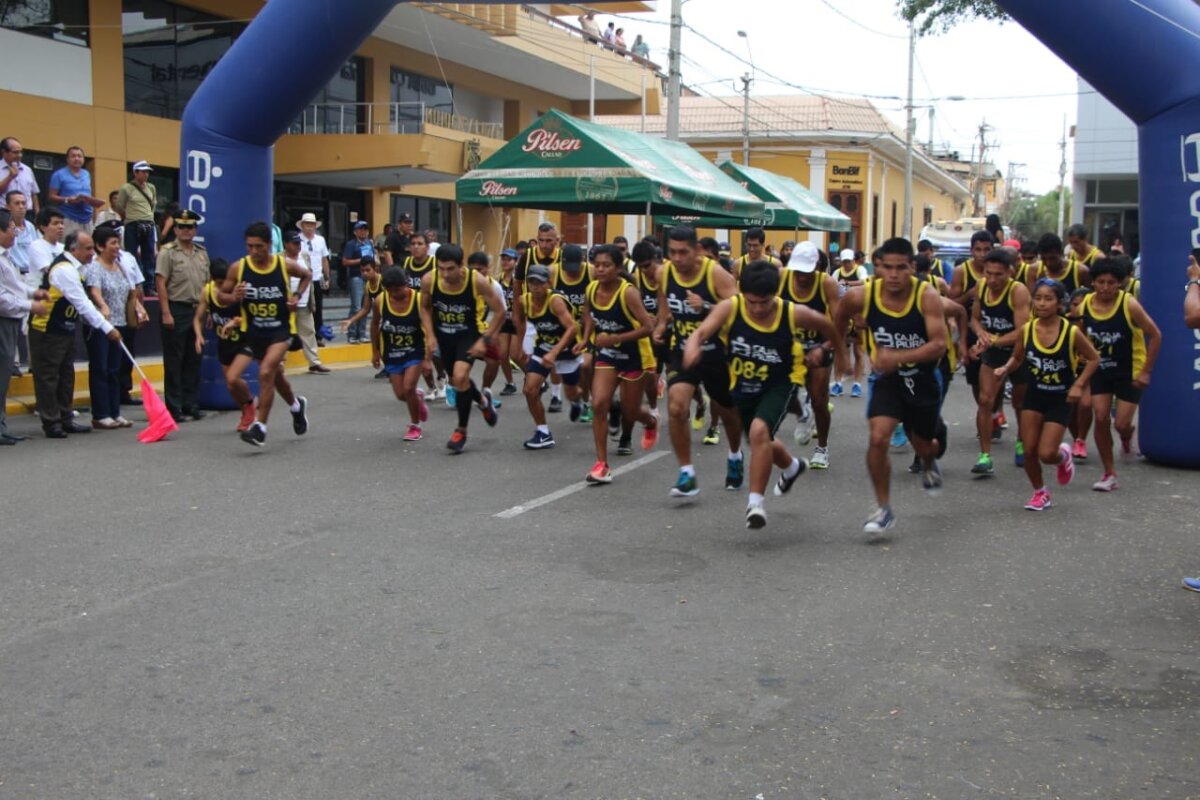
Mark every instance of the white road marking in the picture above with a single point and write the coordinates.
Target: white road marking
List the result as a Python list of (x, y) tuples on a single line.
[(566, 491)]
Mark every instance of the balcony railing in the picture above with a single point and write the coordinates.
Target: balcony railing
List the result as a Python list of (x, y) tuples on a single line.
[(387, 118)]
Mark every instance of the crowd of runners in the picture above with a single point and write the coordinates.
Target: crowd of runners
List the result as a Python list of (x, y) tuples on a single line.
[(618, 334)]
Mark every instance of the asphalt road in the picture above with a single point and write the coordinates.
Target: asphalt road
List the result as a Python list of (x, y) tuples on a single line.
[(343, 615)]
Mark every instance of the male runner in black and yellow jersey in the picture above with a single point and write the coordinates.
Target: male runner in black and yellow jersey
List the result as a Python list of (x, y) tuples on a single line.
[(212, 313), (756, 242), (1128, 342), (260, 283), (1072, 274), (689, 285), (450, 298), (401, 344), (906, 336), (806, 285), (1081, 252), (418, 264), (936, 267), (549, 317), (762, 338), (964, 289), (997, 317), (545, 252)]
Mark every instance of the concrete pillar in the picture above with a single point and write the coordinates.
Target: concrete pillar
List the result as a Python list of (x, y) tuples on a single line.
[(816, 184)]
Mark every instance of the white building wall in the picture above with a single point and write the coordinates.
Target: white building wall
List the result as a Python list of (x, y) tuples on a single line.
[(1105, 139), (46, 68)]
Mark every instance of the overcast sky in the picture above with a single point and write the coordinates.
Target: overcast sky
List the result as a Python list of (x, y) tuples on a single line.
[(815, 47)]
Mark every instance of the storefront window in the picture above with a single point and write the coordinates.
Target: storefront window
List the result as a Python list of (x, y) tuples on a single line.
[(169, 51), (337, 108), (60, 20)]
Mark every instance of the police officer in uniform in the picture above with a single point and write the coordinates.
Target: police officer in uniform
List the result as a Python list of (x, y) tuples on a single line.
[(180, 275)]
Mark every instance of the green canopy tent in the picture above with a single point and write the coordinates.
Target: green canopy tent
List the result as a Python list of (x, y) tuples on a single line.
[(560, 163), (789, 206)]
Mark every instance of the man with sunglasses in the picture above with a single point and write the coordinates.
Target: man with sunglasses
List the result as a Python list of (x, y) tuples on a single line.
[(180, 274)]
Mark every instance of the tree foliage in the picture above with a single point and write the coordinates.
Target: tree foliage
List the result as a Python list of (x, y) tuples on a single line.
[(1032, 215), (941, 15)]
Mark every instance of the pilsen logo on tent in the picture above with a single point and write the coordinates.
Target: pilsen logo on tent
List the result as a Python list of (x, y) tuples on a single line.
[(496, 189), (549, 142), (665, 193)]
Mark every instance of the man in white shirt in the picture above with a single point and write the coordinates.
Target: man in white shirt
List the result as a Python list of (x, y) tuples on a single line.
[(51, 224), (588, 24), (15, 175), (27, 232), (312, 245), (17, 300), (294, 250), (52, 337)]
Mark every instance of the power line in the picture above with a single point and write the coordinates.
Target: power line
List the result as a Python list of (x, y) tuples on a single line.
[(867, 28)]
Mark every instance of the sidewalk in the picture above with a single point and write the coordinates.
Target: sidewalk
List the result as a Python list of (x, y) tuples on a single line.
[(21, 396)]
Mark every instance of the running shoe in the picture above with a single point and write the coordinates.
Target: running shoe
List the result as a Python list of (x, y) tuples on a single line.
[(836, 391), (856, 390), (820, 458), (1000, 421), (899, 438), (509, 388), (381, 375), (576, 410), (539, 441), (599, 474), (1008, 390), (701, 411), (625, 446), (423, 411), (756, 517), (1192, 584), (685, 486), (1127, 448), (712, 436), (915, 467), (434, 393), (586, 417), (413, 434), (803, 432), (249, 411), (300, 418), (1066, 466), (735, 473), (1106, 484), (555, 405), (1079, 450), (1040, 501), (256, 435), (784, 484), (458, 442), (451, 395), (650, 435), (931, 480), (496, 402), (1019, 454), (983, 466), (883, 519), (488, 407)]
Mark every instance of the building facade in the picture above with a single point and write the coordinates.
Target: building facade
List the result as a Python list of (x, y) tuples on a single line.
[(843, 150), (436, 88), (1105, 185)]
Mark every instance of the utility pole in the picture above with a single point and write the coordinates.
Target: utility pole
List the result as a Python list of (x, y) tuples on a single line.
[(673, 70), (977, 191), (906, 226), (930, 148), (746, 119), (1062, 179), (592, 118)]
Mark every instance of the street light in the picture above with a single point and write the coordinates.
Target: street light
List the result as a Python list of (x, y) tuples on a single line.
[(746, 79)]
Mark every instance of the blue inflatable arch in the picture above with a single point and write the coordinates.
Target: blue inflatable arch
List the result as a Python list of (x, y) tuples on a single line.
[(1142, 56), (255, 91)]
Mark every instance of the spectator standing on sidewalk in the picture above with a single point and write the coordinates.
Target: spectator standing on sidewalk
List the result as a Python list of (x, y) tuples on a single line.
[(17, 301), (16, 175), (71, 191), (316, 253), (358, 251), (136, 202), (306, 331), (182, 271)]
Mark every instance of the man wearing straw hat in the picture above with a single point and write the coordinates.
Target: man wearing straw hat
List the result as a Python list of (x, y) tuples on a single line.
[(314, 254)]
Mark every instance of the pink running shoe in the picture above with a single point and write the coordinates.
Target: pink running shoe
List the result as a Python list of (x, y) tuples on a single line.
[(1079, 450), (423, 414), (1040, 501), (413, 434), (1066, 465)]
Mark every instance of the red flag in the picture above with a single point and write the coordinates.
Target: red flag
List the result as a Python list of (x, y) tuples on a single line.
[(160, 419)]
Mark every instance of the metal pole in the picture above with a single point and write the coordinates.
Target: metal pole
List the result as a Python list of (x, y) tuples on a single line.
[(746, 119), (931, 129), (906, 227), (673, 70), (591, 118), (643, 101), (1062, 180)]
